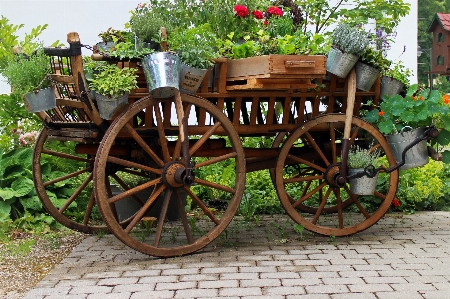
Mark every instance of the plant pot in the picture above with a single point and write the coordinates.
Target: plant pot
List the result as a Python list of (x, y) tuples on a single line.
[(162, 74), (140, 44), (109, 106), (340, 63), (390, 87), (41, 100), (366, 76), (363, 185), (416, 156), (105, 47), (191, 78)]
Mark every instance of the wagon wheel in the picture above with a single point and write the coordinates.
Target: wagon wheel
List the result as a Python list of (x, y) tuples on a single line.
[(63, 182), (279, 140), (306, 163), (155, 148)]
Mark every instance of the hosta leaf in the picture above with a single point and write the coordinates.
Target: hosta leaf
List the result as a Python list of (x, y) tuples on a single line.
[(22, 187), (31, 203), (5, 210), (6, 193)]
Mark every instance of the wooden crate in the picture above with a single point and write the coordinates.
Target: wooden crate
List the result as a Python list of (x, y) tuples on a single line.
[(277, 66)]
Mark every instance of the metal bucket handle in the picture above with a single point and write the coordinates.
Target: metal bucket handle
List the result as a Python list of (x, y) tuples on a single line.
[(403, 129)]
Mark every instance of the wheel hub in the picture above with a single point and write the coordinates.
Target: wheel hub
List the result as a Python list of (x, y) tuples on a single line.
[(334, 177), (174, 175)]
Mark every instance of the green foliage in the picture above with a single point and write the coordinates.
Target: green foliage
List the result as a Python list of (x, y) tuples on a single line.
[(399, 72), (196, 46), (114, 81), (111, 34), (9, 37), (24, 74), (417, 109), (350, 39), (375, 58), (148, 27), (360, 158), (127, 50)]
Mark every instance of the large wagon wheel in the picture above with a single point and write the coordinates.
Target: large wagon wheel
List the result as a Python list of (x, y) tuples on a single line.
[(156, 149), (66, 189), (305, 165)]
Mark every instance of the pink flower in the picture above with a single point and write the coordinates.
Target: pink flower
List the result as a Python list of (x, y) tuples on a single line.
[(273, 10), (258, 14), (241, 11), (29, 137)]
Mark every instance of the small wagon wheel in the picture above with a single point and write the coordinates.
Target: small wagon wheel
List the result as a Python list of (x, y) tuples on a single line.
[(305, 165), (66, 193), (156, 149)]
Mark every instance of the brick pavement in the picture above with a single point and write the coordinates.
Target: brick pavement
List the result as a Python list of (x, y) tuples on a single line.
[(402, 256)]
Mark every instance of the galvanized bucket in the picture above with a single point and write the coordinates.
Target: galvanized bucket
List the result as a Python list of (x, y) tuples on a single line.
[(191, 78), (363, 185), (340, 63), (140, 44), (105, 47), (162, 74), (108, 106), (365, 76), (390, 87), (41, 100), (416, 156)]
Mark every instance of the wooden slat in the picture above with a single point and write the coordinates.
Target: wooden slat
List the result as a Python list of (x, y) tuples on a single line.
[(237, 110), (286, 110), (254, 110), (271, 111)]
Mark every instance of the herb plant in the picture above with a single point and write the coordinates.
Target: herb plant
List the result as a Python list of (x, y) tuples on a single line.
[(113, 81), (349, 39), (359, 157)]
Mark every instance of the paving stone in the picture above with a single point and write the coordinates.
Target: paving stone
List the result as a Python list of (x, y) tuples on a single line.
[(153, 294), (123, 295), (254, 291)]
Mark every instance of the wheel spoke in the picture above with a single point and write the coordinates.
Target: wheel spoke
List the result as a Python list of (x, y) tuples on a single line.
[(144, 209), (184, 220), (303, 179), (126, 188), (162, 134), (306, 162), (144, 145), (75, 194), (68, 176), (333, 143), (214, 185), (177, 150), (65, 156), (130, 164), (130, 192), (317, 148), (314, 191), (215, 160), (89, 208), (204, 138), (321, 206), (202, 206), (162, 216), (337, 193)]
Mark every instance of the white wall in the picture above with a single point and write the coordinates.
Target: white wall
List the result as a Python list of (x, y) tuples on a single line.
[(89, 18)]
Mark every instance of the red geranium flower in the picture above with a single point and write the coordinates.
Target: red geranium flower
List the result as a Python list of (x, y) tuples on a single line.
[(275, 11), (265, 22), (241, 11), (258, 14), (396, 202)]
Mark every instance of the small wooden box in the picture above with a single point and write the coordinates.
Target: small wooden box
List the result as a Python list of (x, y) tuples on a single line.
[(277, 66)]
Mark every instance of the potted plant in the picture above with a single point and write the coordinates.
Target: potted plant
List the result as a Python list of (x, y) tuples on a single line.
[(147, 30), (347, 45), (28, 77), (394, 79), (369, 67), (110, 38), (404, 118), (358, 159), (112, 86), (196, 48)]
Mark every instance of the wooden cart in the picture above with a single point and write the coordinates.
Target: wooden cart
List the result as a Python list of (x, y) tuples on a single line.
[(133, 175)]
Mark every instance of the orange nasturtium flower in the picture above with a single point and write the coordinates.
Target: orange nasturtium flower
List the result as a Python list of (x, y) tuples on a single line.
[(421, 98), (414, 98), (446, 99), (380, 113), (396, 202)]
